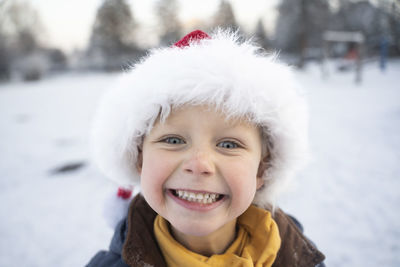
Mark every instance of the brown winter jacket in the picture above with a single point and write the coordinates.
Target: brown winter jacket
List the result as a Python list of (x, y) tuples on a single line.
[(139, 246)]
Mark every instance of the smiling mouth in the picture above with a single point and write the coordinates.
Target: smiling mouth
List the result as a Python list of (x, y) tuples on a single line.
[(199, 197)]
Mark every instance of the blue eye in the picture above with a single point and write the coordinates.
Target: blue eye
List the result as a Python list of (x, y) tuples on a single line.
[(228, 144), (174, 140)]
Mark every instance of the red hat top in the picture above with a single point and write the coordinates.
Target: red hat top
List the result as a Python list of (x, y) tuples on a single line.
[(196, 35)]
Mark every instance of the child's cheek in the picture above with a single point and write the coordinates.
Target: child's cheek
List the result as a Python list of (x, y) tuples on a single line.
[(243, 182), (153, 177)]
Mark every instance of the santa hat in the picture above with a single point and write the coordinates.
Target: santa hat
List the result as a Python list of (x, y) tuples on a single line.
[(221, 70)]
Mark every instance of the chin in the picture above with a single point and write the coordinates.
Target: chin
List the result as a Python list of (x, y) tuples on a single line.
[(194, 229)]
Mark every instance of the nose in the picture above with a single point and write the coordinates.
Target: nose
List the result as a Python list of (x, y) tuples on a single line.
[(199, 163)]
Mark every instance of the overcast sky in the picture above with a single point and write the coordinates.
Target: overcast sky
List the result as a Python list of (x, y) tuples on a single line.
[(68, 22)]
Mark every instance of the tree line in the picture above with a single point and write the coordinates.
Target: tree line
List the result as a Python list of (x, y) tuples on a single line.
[(115, 40)]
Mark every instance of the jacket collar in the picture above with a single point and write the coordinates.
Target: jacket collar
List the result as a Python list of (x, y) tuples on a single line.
[(139, 245), (305, 255)]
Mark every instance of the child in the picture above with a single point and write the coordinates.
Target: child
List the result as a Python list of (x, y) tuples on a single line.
[(212, 129)]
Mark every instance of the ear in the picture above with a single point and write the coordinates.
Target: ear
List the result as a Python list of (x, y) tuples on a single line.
[(139, 160), (262, 167), (260, 183)]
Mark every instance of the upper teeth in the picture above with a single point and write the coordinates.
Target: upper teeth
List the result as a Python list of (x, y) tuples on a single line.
[(197, 197)]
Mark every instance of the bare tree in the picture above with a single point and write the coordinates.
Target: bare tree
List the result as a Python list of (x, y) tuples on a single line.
[(364, 17), (300, 25), (20, 28)]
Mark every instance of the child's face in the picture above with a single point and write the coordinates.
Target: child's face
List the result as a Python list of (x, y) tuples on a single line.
[(196, 152)]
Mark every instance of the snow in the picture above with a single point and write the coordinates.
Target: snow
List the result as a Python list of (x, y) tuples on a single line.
[(347, 199)]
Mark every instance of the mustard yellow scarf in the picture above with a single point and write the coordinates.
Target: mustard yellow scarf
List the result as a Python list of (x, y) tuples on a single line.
[(257, 243)]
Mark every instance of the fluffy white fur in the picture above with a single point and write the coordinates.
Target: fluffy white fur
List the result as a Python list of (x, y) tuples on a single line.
[(222, 71)]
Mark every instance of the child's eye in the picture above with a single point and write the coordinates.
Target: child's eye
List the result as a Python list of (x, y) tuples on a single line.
[(228, 144), (173, 140)]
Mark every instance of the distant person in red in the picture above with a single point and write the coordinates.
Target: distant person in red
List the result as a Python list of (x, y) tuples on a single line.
[(352, 53)]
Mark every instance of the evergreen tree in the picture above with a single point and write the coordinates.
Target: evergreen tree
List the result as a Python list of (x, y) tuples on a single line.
[(225, 17), (261, 36), (170, 28), (111, 43)]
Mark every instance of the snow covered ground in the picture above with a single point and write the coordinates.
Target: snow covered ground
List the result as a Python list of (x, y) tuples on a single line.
[(348, 198)]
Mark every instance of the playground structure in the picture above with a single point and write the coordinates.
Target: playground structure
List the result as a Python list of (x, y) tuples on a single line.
[(355, 54)]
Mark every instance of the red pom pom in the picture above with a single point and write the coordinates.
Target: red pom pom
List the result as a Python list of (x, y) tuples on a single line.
[(190, 37), (124, 193)]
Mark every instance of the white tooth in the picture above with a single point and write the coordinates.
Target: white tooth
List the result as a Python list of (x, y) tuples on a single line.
[(199, 196), (192, 195), (185, 194), (206, 195), (209, 200), (212, 196), (205, 200), (180, 193)]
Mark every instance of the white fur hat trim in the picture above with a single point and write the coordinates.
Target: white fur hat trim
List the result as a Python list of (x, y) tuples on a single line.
[(223, 71)]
